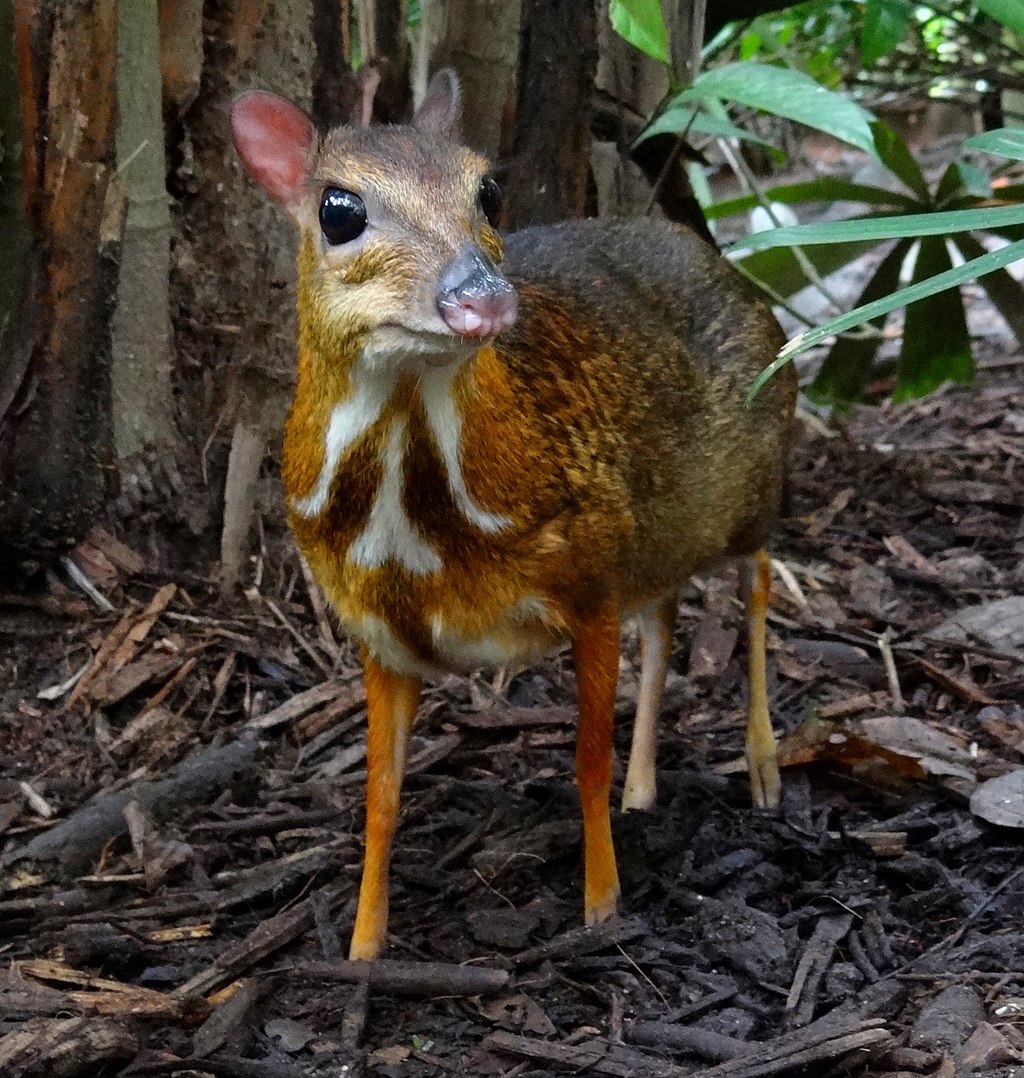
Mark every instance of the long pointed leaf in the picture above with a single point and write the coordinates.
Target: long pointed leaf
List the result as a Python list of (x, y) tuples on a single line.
[(887, 228), (1006, 293), (849, 366), (885, 23), (969, 271), (781, 272), (825, 189), (788, 93), (936, 345), (1005, 141), (893, 153)]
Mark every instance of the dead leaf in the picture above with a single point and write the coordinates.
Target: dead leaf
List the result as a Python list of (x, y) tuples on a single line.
[(999, 624), (391, 1056), (1001, 800), (712, 648), (937, 752)]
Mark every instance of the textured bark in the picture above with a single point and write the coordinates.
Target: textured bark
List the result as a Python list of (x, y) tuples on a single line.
[(143, 413), (387, 50), (335, 91), (55, 435), (550, 155), (480, 40)]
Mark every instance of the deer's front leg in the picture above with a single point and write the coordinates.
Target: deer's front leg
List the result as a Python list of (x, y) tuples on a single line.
[(391, 702)]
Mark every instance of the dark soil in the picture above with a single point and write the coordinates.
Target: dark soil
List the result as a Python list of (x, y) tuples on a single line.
[(872, 926)]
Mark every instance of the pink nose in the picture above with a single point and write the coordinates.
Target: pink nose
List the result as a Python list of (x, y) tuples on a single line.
[(474, 300)]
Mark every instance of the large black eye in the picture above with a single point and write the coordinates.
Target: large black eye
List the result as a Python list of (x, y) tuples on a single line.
[(490, 200), (342, 215)]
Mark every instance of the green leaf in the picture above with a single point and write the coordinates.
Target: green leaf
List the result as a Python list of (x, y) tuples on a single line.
[(849, 366), (675, 121), (823, 189), (1009, 12), (953, 278), (886, 228), (885, 23), (640, 22), (1006, 294), (893, 153), (936, 346), (784, 92), (1004, 141), (779, 270)]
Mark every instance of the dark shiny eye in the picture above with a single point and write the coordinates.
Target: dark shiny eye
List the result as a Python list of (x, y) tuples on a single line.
[(490, 200), (342, 216)]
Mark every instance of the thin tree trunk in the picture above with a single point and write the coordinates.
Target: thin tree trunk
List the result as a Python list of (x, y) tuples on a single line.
[(549, 175), (141, 369), (480, 40), (55, 442)]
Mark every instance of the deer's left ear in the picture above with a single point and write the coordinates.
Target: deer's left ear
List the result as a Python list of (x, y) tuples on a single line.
[(274, 140), (441, 109)]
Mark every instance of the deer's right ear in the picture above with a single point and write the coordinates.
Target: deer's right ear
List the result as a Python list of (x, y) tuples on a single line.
[(274, 140)]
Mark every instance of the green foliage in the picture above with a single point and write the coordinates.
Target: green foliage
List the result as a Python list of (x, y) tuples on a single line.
[(640, 22), (821, 44), (935, 345), (884, 27), (782, 92)]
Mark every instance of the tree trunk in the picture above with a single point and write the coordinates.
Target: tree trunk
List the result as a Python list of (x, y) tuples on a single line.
[(55, 429), (141, 368), (480, 40), (549, 176)]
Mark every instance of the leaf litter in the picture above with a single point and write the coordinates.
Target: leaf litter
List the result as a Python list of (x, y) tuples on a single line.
[(186, 905)]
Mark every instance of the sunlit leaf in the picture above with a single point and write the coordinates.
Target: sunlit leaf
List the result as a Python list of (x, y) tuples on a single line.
[(1009, 12), (936, 345), (849, 365), (785, 92), (640, 22), (1005, 141), (952, 278), (893, 153), (885, 23), (887, 228)]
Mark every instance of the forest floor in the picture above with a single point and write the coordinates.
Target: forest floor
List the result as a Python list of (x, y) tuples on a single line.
[(180, 827)]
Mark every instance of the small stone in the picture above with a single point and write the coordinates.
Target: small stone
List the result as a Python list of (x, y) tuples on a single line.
[(842, 980), (505, 928)]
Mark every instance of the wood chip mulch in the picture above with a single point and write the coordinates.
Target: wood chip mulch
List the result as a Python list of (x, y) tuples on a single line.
[(181, 785)]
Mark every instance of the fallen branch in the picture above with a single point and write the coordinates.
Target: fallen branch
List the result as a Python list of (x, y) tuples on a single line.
[(77, 841), (427, 980)]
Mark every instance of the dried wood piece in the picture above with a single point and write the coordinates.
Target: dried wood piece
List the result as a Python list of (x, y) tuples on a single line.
[(102, 995), (585, 940), (791, 1052), (813, 964), (595, 1056), (64, 1048), (264, 939), (428, 980), (77, 841), (225, 1019), (304, 702), (516, 718), (692, 1040)]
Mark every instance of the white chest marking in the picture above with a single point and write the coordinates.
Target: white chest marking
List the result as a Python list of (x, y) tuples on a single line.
[(446, 428), (389, 533), (349, 421)]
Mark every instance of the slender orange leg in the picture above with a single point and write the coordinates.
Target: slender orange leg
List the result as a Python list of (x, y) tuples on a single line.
[(762, 752), (391, 702), (596, 653), (655, 622)]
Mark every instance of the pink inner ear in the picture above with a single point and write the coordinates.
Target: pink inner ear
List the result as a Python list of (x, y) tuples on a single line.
[(273, 139)]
